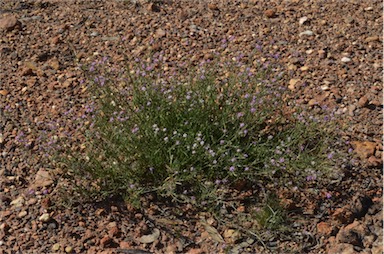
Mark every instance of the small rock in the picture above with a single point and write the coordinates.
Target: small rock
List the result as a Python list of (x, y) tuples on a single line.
[(271, 13), (360, 205), (372, 39), (363, 102), (195, 251), (160, 33), (364, 149), (153, 7), (32, 201), (125, 245), (374, 162), (306, 33), (346, 59), (343, 215), (370, 8), (4, 92), (351, 110), (4, 228), (303, 20), (324, 88), (292, 84), (42, 179), (151, 237), (342, 248), (46, 203), (213, 7), (56, 247), (18, 202), (313, 102), (106, 241), (351, 234), (114, 231), (324, 228), (22, 214), (45, 217), (9, 23), (68, 249)]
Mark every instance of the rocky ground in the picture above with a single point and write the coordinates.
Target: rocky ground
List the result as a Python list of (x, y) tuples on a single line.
[(330, 51)]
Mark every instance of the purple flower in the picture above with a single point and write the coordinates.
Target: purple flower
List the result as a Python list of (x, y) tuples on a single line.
[(232, 168), (242, 125), (135, 129), (328, 195), (240, 114)]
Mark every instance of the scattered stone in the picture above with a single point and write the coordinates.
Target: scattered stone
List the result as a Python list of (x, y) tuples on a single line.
[(364, 149), (360, 205), (4, 92), (56, 247), (325, 88), (195, 251), (270, 13), (372, 39), (125, 245), (10, 23), (363, 101), (18, 202), (306, 33), (213, 7), (45, 203), (324, 228), (292, 84), (45, 217), (106, 241), (351, 110), (153, 7), (160, 33), (42, 179), (346, 59), (375, 162), (4, 227), (303, 20), (151, 237), (22, 214), (68, 249)]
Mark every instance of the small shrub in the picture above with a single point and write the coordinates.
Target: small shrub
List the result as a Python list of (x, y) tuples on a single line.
[(188, 138)]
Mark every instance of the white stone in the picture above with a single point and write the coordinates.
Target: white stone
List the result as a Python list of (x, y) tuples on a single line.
[(45, 217), (18, 202), (346, 59), (302, 20), (306, 33)]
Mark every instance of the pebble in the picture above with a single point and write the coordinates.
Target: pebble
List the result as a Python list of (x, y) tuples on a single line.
[(56, 247), (324, 88), (346, 59), (306, 33), (363, 101), (18, 202), (303, 20), (9, 23), (68, 249), (271, 13), (45, 217), (22, 214)]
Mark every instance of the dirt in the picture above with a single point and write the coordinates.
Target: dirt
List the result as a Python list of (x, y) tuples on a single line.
[(329, 51)]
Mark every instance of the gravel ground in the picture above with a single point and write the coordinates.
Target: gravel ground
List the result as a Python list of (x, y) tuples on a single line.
[(330, 51)]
